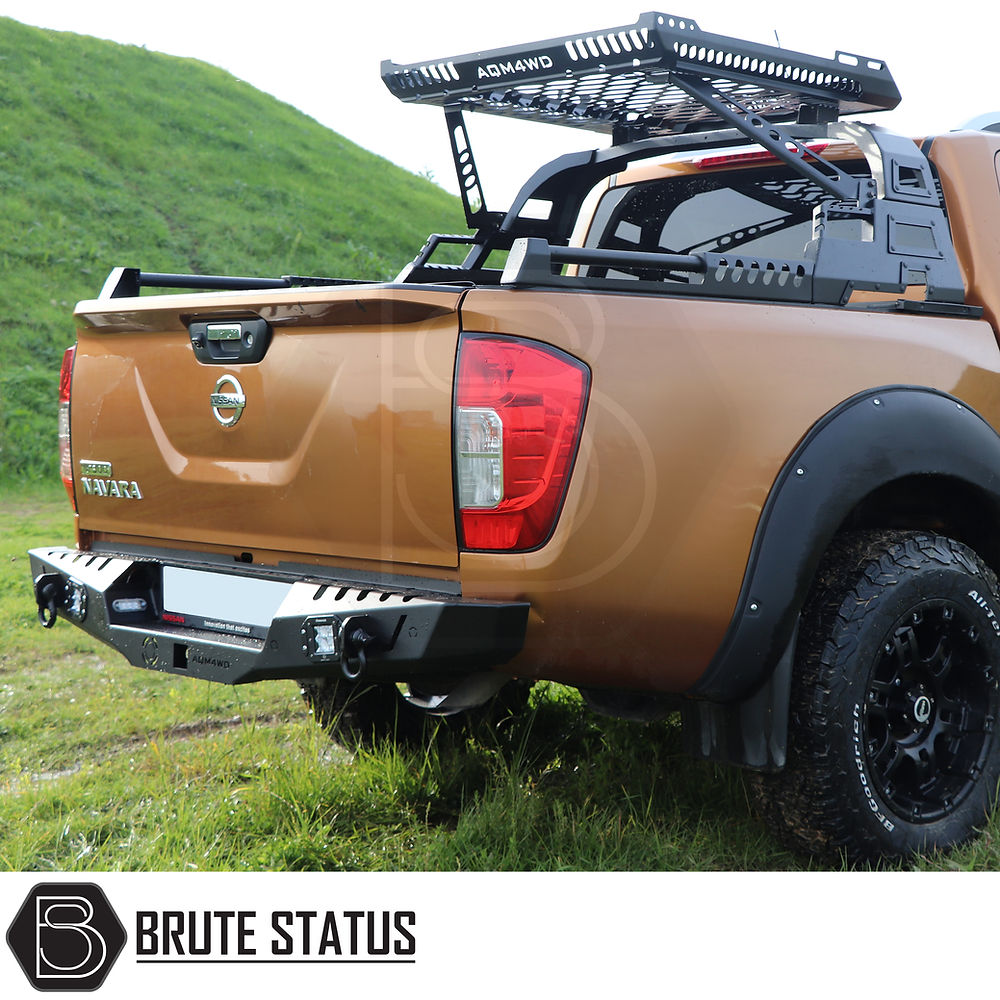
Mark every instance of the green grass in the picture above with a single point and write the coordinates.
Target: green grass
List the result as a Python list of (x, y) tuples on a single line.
[(112, 155), (106, 767)]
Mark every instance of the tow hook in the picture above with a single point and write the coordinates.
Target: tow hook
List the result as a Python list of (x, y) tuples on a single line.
[(356, 640), (49, 594)]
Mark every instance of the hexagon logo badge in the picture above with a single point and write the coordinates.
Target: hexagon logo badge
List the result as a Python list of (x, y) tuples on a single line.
[(66, 936)]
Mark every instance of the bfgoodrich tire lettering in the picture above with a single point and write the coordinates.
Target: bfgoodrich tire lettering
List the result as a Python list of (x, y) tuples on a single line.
[(893, 743)]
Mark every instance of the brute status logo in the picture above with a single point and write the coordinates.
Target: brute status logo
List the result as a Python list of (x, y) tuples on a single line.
[(247, 937), (66, 936)]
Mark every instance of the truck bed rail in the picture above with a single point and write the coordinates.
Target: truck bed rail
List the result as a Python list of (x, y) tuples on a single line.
[(127, 282)]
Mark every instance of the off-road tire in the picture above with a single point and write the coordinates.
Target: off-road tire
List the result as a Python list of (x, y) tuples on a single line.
[(893, 742), (366, 714)]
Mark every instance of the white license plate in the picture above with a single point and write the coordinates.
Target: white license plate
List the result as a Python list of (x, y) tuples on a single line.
[(217, 597)]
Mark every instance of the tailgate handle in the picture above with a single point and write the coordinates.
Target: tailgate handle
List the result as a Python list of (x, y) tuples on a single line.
[(230, 341)]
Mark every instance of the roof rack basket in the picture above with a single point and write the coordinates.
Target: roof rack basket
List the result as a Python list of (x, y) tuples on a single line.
[(660, 77), (663, 85), (623, 81)]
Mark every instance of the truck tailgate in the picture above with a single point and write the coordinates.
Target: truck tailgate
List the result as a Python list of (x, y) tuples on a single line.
[(334, 446)]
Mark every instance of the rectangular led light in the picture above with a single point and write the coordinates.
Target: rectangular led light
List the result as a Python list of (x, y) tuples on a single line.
[(124, 605)]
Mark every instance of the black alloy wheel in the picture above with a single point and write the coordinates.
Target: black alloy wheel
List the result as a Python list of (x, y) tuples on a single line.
[(893, 741), (927, 723)]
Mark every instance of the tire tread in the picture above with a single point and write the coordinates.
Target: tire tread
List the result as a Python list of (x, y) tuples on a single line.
[(805, 803)]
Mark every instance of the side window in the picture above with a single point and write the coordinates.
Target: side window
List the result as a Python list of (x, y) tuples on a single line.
[(767, 213)]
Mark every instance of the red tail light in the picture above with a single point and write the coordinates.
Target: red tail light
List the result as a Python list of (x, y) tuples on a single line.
[(65, 451), (519, 411)]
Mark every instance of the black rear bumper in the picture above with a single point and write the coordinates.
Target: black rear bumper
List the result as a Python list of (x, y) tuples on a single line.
[(317, 628)]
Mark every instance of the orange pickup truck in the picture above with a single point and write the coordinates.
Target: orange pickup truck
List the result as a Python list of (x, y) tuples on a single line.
[(706, 422)]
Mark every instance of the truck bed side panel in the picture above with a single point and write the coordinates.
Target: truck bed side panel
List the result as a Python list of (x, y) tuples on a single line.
[(695, 407)]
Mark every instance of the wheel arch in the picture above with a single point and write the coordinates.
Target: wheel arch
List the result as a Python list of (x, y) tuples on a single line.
[(943, 504), (892, 457)]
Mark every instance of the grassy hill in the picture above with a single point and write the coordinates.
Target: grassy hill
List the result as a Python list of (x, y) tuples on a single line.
[(113, 155)]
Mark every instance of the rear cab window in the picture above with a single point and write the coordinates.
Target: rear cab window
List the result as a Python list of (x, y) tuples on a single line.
[(763, 212)]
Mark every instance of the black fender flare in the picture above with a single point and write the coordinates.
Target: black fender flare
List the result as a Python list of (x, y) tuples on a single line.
[(871, 440)]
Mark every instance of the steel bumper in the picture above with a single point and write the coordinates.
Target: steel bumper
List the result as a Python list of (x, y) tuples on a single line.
[(316, 628)]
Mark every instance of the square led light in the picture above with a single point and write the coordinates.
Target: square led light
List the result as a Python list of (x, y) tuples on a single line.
[(322, 638), (75, 601)]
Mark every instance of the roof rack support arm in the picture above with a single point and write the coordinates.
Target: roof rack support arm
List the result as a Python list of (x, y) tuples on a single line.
[(473, 201), (772, 137)]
